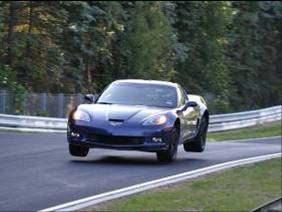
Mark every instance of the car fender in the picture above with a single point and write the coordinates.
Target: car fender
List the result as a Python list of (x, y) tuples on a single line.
[(202, 106)]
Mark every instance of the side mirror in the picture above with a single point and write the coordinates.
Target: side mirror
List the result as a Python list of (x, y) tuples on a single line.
[(89, 98), (192, 104)]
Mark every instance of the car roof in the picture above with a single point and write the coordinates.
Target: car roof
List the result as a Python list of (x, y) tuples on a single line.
[(152, 82)]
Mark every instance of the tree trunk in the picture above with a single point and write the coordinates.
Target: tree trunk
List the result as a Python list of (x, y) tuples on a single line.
[(89, 75), (10, 36), (30, 26)]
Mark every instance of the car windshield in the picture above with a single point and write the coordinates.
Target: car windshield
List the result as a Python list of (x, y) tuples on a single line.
[(139, 94)]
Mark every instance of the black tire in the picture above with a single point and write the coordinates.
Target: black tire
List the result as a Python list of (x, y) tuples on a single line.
[(198, 144), (78, 151), (170, 154)]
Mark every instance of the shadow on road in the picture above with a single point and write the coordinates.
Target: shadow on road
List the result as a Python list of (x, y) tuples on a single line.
[(123, 160)]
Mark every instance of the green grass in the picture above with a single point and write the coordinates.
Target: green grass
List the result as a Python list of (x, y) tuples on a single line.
[(239, 189), (266, 130)]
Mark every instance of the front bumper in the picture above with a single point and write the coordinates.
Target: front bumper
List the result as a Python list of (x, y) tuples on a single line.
[(151, 140)]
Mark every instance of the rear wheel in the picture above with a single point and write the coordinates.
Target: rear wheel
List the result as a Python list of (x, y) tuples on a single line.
[(170, 154), (198, 144), (78, 151)]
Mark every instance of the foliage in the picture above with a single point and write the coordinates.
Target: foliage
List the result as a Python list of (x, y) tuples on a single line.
[(8, 82), (205, 68), (227, 51), (256, 54), (148, 42), (42, 113)]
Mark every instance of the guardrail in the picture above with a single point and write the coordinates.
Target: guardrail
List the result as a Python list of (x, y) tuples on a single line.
[(32, 123), (218, 123), (231, 121)]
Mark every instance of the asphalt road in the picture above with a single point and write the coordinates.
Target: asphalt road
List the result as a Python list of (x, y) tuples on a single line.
[(36, 171)]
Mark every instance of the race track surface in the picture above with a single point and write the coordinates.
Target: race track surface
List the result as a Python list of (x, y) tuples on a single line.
[(37, 172)]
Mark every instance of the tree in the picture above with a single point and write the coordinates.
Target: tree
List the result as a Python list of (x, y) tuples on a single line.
[(147, 44), (202, 29), (229, 51), (78, 45), (255, 52)]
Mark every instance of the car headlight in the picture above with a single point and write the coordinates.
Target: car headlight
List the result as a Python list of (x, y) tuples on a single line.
[(81, 116), (156, 120)]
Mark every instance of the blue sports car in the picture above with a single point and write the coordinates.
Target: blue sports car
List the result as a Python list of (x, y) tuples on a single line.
[(145, 115)]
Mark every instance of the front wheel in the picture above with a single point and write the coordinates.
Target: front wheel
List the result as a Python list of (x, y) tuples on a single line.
[(78, 151), (170, 154), (198, 144)]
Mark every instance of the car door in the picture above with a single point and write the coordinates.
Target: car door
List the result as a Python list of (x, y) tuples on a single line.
[(189, 117)]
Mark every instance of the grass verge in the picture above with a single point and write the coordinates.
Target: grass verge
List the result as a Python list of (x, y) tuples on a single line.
[(239, 189), (265, 130)]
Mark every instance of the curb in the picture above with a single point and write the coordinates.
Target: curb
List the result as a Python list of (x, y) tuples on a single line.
[(272, 205)]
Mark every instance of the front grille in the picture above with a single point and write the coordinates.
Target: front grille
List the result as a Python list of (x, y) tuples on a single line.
[(117, 140)]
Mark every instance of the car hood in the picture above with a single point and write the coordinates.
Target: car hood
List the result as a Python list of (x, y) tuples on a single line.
[(117, 112)]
